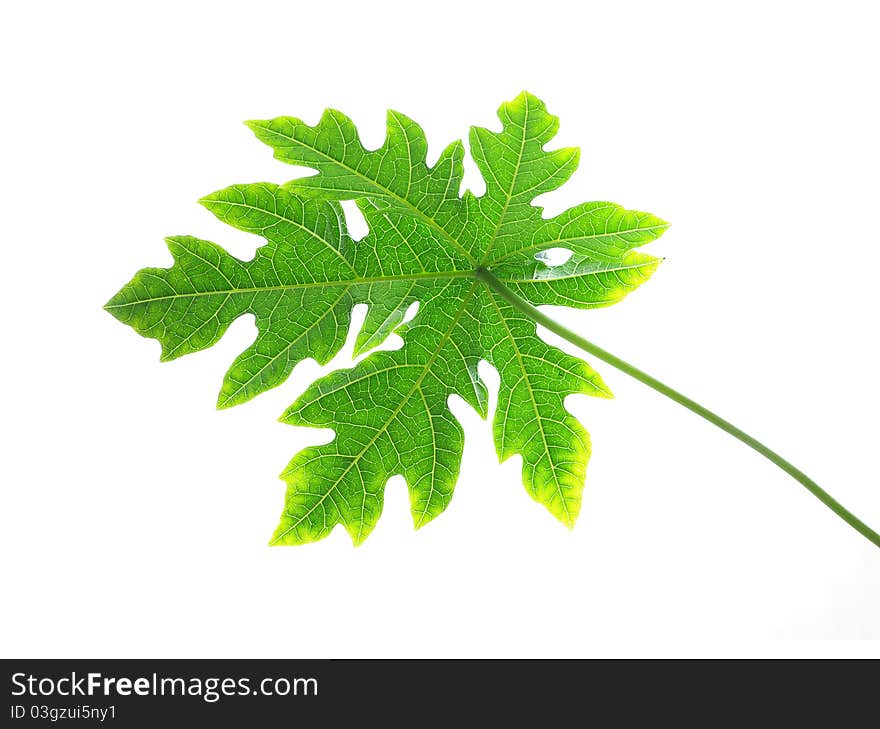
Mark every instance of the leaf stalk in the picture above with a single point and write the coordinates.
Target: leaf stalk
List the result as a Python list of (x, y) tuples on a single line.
[(526, 308)]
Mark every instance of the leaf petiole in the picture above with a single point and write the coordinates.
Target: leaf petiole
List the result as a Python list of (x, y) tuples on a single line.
[(526, 308)]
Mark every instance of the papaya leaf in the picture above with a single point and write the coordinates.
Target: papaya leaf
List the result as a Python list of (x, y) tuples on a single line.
[(427, 243)]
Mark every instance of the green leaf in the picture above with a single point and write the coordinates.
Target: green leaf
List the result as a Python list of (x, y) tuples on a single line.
[(427, 243)]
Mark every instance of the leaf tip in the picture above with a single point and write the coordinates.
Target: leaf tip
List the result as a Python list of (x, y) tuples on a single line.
[(359, 348), (421, 518), (657, 225), (568, 515), (289, 417), (525, 99), (224, 402), (282, 536), (358, 533)]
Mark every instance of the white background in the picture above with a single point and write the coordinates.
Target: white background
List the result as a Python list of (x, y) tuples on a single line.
[(135, 517)]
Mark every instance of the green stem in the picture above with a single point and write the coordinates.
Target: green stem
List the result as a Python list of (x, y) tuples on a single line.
[(526, 308)]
